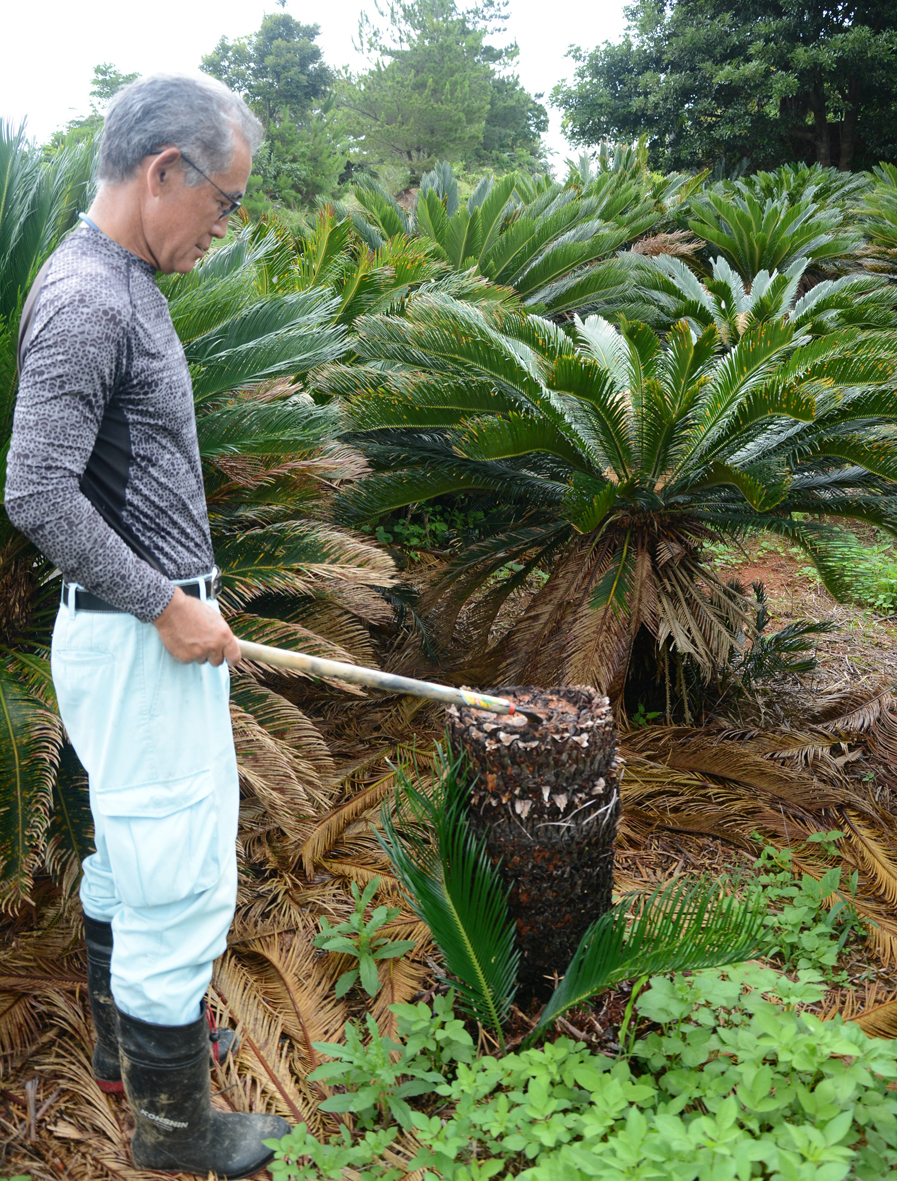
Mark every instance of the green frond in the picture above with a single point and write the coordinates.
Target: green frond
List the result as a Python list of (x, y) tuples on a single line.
[(383, 492), (385, 213), (763, 487), (581, 246), (250, 426), (756, 235), (588, 502), (453, 887), (875, 455), (269, 338), (30, 741), (608, 285), (432, 219), (513, 435), (462, 239), (39, 203), (681, 926)]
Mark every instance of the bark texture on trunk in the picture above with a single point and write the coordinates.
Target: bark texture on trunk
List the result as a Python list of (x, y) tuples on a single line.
[(547, 798)]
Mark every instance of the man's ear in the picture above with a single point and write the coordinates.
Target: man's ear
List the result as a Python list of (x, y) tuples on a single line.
[(159, 170)]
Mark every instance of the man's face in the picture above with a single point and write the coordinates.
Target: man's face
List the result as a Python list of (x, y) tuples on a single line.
[(182, 220)]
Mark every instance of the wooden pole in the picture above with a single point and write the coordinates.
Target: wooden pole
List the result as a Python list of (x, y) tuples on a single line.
[(315, 666)]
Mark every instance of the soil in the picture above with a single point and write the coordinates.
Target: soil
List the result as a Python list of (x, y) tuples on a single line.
[(863, 649)]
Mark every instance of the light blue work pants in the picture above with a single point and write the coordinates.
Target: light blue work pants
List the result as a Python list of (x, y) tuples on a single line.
[(155, 738)]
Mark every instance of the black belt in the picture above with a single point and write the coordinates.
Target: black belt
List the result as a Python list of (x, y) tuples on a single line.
[(85, 600)]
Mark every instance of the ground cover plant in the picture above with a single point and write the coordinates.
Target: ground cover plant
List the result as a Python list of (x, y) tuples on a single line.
[(291, 333)]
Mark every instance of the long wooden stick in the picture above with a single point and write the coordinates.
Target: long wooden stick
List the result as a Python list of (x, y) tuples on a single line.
[(373, 678)]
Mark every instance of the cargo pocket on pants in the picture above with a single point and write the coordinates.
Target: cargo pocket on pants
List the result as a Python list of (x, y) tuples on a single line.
[(162, 840)]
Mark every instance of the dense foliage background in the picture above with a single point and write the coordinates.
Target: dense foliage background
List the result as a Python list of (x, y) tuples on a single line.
[(462, 418)]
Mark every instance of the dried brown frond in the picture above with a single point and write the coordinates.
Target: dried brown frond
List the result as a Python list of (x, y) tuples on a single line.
[(264, 1054), (299, 981), (874, 854), (679, 243), (362, 874), (328, 829), (872, 1007)]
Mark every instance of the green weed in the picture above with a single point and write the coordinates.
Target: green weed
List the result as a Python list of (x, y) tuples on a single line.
[(359, 938)]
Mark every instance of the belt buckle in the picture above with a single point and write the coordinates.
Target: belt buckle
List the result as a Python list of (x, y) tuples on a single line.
[(216, 582)]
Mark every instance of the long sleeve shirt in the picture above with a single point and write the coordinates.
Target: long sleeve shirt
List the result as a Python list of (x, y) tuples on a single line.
[(103, 472)]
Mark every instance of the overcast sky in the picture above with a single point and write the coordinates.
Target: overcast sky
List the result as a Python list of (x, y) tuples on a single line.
[(51, 49)]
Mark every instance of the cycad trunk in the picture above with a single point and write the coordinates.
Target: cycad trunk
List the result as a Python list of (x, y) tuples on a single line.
[(548, 800)]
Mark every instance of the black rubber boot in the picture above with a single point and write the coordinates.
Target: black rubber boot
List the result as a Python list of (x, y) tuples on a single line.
[(106, 1067), (166, 1074)]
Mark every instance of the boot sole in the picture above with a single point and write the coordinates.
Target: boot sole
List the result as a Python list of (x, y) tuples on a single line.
[(173, 1172)]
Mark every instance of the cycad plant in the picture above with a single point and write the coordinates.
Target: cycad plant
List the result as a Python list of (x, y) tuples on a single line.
[(606, 458), (454, 888), (791, 183), (879, 217), (674, 292), (756, 233), (555, 244)]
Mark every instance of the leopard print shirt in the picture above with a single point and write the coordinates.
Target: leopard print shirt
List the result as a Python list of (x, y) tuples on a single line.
[(103, 473)]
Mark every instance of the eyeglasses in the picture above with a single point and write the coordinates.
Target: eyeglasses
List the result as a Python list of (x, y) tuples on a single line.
[(232, 205)]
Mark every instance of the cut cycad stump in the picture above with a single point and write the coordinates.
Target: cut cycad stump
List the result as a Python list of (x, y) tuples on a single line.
[(547, 801)]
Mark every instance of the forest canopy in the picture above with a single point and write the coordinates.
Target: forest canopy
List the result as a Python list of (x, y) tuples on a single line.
[(766, 82)]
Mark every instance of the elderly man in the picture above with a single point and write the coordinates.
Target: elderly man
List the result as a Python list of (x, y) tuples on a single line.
[(104, 476)]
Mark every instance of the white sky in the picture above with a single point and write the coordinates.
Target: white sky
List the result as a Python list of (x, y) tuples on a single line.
[(51, 49)]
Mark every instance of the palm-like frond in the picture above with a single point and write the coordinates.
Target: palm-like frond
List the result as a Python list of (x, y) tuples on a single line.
[(38, 204), (673, 292), (30, 741), (879, 207), (757, 234), (682, 926), (804, 182), (453, 887), (552, 243)]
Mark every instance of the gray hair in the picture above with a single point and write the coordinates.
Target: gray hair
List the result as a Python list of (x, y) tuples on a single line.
[(199, 115)]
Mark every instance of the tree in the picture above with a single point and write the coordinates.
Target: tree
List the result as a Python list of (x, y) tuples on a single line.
[(279, 70), (515, 123), (281, 74), (767, 80), (435, 89)]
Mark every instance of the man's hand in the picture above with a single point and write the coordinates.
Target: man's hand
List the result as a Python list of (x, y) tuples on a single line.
[(192, 631)]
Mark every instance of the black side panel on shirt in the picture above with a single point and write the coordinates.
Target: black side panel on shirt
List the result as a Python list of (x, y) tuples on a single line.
[(104, 473), (105, 479)]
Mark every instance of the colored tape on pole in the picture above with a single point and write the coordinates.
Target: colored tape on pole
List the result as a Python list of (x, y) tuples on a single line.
[(477, 702)]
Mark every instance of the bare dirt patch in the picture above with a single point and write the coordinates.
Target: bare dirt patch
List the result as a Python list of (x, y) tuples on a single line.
[(862, 651)]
